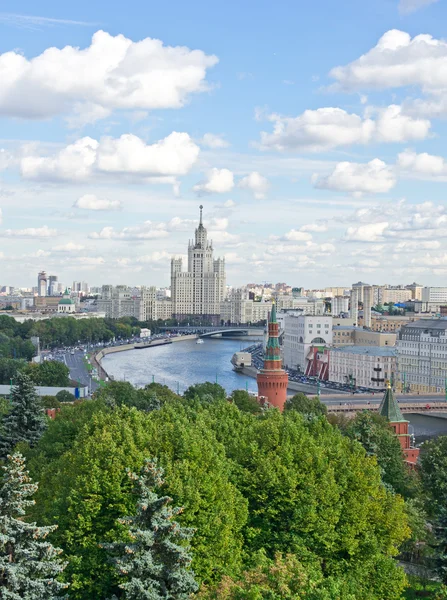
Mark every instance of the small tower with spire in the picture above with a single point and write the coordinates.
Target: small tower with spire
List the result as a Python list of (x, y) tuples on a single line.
[(272, 379), (389, 408)]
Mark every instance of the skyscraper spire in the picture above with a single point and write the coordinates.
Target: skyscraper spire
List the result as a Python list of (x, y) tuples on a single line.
[(201, 208)]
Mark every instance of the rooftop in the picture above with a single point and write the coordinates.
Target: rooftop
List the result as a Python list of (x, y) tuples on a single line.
[(369, 350), (428, 324)]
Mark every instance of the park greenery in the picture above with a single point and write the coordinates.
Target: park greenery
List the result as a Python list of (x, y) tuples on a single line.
[(270, 506)]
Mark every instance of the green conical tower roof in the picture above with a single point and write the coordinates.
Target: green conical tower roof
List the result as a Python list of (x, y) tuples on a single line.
[(273, 314), (389, 407)]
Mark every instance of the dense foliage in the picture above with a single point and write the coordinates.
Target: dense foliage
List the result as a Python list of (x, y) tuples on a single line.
[(251, 485), (29, 564), (25, 420), (305, 405), (154, 563), (47, 373)]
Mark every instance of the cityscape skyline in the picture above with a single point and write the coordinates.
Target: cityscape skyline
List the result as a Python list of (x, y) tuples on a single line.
[(306, 168)]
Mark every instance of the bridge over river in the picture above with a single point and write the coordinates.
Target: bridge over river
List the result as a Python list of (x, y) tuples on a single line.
[(217, 331)]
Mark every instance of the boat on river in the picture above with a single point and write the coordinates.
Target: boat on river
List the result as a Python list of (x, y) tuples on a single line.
[(199, 341)]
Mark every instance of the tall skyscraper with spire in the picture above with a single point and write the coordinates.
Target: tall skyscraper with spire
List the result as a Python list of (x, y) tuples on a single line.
[(199, 290), (272, 379)]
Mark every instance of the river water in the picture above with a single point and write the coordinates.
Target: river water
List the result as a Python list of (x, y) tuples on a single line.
[(182, 364)]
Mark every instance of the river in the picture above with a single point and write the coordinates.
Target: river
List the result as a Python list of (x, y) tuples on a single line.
[(182, 364)]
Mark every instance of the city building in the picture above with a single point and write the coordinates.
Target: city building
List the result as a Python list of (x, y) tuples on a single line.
[(301, 333), (389, 408), (152, 308), (339, 305), (348, 335), (422, 355), (360, 286), (367, 305), (362, 366), (396, 295), (66, 304), (272, 379), (80, 287), (42, 283), (200, 290), (119, 301), (416, 290), (52, 285), (354, 305)]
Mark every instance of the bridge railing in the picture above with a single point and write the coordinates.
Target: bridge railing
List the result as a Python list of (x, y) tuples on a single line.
[(405, 408)]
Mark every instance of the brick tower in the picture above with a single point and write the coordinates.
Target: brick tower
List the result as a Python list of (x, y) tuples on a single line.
[(272, 379), (390, 409)]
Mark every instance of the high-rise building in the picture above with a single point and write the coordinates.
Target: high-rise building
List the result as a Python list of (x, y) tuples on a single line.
[(42, 283), (339, 305), (52, 285), (119, 301), (367, 305), (272, 379), (359, 286), (422, 355), (200, 290), (354, 305), (301, 334)]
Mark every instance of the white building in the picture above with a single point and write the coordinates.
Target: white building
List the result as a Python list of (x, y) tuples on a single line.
[(354, 306), (119, 301), (42, 283), (367, 305), (238, 308), (201, 289), (362, 366), (301, 332), (153, 309), (359, 286), (339, 305), (422, 355), (66, 304), (396, 295)]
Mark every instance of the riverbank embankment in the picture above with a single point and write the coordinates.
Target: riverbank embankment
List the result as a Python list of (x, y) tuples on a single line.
[(96, 358)]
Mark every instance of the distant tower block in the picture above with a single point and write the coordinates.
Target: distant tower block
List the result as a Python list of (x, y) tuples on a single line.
[(354, 306), (272, 379)]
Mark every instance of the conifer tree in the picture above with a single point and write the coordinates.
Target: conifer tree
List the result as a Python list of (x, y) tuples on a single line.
[(28, 563), (155, 563), (25, 421)]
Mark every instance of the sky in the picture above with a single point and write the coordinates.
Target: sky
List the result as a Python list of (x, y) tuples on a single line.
[(313, 133)]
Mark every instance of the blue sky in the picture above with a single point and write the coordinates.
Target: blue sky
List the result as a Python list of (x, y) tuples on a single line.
[(313, 136)]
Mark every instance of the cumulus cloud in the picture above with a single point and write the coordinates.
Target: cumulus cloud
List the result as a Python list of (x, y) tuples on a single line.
[(154, 257), (422, 164), (372, 232), (296, 236), (30, 232), (146, 231), (218, 181), (68, 247), (396, 61), (409, 6), (256, 183), (327, 128), (1, 216), (210, 140), (112, 73), (371, 178), (127, 156), (92, 202)]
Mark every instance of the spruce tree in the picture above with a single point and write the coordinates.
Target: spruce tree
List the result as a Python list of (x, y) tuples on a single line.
[(25, 421), (28, 563), (156, 562)]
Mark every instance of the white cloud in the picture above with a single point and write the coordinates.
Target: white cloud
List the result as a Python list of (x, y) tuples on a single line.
[(146, 231), (90, 261), (416, 246), (296, 236), (431, 261), (1, 216), (396, 61), (256, 183), (154, 257), (92, 202), (229, 204), (328, 128), (218, 181), (217, 224), (126, 156), (371, 178), (409, 6), (214, 141), (422, 164), (112, 73), (366, 233), (315, 227), (30, 232), (223, 238), (68, 247)]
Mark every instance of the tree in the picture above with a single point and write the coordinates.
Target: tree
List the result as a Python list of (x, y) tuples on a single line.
[(205, 391), (29, 565), (434, 474), (65, 396), (376, 436), (305, 405), (155, 562), (50, 373), (25, 422), (245, 402)]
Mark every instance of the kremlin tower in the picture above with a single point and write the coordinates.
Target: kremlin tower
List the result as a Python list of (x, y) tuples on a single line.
[(272, 379), (390, 409)]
